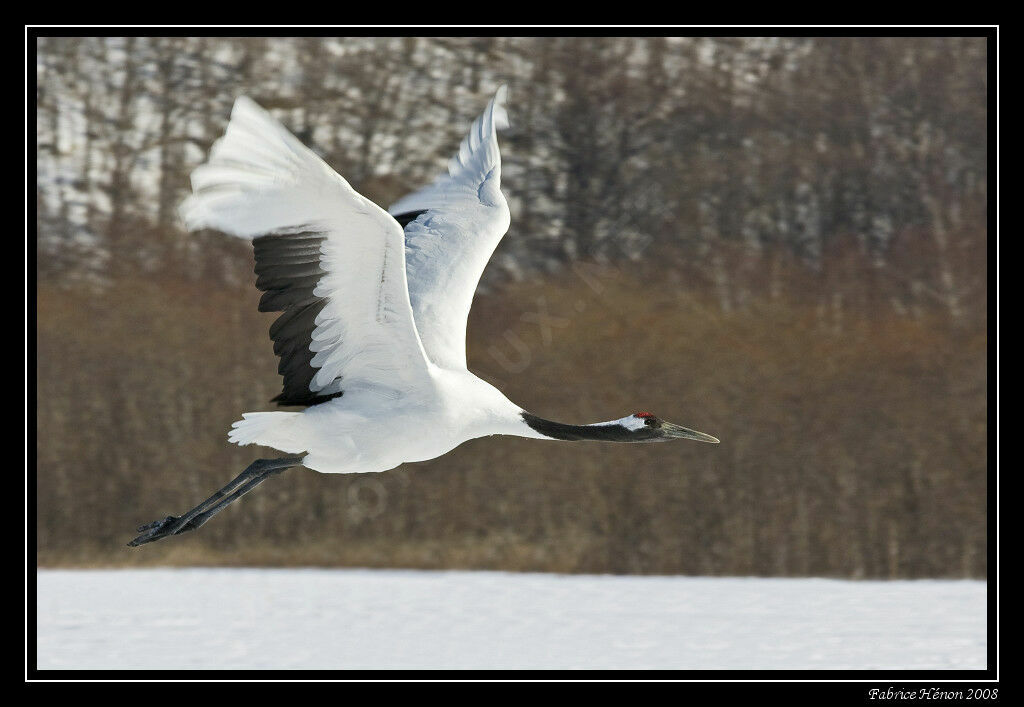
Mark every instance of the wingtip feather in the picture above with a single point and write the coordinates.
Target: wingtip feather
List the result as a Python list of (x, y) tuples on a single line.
[(499, 114), (469, 158)]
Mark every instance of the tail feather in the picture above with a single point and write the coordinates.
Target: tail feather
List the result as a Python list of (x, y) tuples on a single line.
[(280, 430)]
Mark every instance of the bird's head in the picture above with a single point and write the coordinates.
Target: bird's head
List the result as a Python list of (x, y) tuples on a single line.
[(647, 427)]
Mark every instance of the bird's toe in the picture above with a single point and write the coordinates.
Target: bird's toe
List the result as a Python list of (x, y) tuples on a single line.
[(152, 531), (156, 524)]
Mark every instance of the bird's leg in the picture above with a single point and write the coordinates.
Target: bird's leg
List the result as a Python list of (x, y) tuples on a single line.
[(255, 474)]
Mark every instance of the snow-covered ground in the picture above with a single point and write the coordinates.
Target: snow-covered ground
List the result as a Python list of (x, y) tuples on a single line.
[(308, 618)]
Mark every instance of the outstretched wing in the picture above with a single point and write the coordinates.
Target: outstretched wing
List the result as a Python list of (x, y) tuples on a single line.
[(331, 260), (451, 229)]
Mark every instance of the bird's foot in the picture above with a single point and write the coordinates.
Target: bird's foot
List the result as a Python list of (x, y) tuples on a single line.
[(154, 531)]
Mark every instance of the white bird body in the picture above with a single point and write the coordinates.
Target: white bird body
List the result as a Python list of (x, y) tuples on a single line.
[(372, 335), (344, 435)]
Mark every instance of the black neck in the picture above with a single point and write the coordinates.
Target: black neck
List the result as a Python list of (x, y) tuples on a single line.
[(580, 433)]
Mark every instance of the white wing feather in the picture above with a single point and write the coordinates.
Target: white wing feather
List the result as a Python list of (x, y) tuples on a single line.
[(448, 247), (261, 179)]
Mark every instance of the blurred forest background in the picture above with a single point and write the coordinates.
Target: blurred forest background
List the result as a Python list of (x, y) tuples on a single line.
[(781, 242)]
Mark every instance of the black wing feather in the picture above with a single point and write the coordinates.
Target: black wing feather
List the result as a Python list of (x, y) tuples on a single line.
[(287, 270), (408, 217)]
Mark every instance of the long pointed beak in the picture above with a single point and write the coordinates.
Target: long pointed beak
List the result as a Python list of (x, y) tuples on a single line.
[(680, 432)]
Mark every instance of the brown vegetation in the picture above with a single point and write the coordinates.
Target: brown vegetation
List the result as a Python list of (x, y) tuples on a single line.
[(854, 452)]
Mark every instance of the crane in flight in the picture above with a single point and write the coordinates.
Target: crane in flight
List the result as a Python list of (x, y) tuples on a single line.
[(372, 335)]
